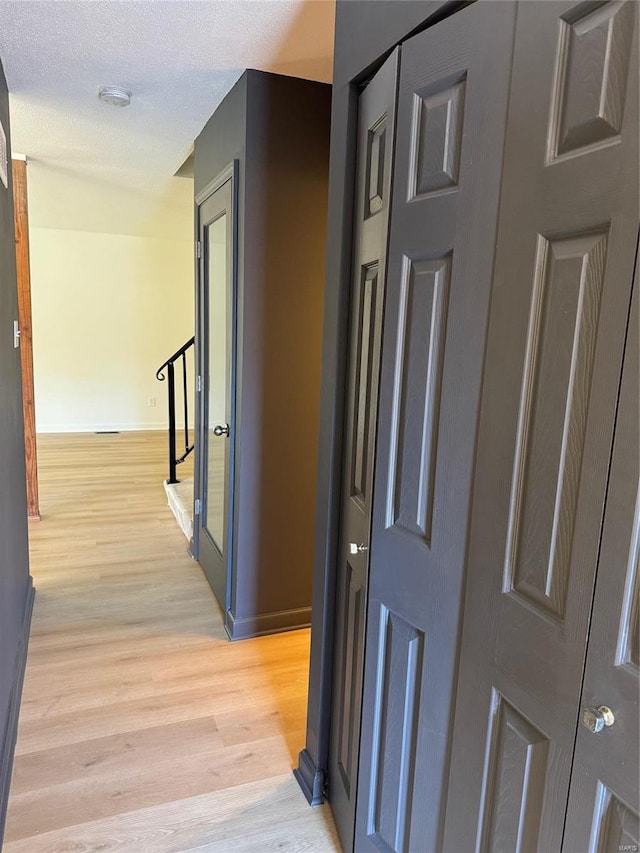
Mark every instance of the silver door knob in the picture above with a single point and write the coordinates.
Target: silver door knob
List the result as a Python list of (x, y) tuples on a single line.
[(357, 549), (595, 719), (221, 429)]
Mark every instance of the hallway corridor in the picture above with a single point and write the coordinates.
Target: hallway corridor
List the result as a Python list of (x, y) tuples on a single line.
[(142, 728)]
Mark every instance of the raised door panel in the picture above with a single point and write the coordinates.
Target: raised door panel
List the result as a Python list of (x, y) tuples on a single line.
[(614, 828), (594, 54), (515, 779), (564, 264), (561, 335), (451, 116), (422, 322), (367, 309), (376, 119), (396, 721), (437, 118)]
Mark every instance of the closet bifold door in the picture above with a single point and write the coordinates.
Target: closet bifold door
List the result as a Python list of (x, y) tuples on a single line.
[(604, 795), (560, 304), (452, 101), (376, 122)]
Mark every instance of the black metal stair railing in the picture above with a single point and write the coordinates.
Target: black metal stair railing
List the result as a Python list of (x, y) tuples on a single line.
[(169, 367)]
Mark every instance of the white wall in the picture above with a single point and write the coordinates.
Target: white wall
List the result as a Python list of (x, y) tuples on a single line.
[(108, 307)]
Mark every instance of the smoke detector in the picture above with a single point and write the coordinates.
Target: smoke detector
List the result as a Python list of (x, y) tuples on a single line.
[(114, 95)]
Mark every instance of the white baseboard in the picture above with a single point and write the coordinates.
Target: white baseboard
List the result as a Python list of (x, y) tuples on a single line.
[(57, 428)]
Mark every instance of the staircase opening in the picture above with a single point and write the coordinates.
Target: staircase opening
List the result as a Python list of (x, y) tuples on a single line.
[(179, 491)]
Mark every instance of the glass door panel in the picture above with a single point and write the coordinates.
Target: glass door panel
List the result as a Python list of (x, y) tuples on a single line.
[(217, 277)]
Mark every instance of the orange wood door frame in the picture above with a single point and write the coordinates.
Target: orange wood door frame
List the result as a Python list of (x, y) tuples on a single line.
[(21, 219)]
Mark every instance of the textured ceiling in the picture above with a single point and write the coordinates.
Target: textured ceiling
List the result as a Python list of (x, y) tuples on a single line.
[(178, 57)]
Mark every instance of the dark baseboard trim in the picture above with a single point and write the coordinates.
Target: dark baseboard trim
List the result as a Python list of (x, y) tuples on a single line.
[(243, 627), (310, 779), (10, 734)]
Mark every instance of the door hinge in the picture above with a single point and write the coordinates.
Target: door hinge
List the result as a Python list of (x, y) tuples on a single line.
[(198, 383), (198, 249), (16, 334), (197, 506)]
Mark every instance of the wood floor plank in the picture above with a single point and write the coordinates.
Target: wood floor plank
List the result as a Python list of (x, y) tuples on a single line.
[(245, 819), (142, 728)]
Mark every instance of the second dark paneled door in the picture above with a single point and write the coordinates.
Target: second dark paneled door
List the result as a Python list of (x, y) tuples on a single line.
[(376, 125)]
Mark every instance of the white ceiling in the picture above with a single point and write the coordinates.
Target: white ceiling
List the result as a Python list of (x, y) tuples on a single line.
[(178, 57)]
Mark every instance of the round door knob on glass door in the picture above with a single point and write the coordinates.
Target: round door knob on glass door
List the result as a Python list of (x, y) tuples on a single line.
[(221, 430), (357, 549), (595, 719)]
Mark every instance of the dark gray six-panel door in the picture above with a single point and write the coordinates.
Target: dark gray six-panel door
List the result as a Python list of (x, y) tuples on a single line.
[(450, 130), (376, 125), (564, 266)]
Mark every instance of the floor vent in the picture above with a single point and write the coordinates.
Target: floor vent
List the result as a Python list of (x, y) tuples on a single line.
[(107, 432)]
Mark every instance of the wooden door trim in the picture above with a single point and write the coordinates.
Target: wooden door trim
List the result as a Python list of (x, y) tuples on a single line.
[(21, 223)]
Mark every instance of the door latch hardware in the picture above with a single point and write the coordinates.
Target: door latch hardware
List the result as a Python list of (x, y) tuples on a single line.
[(221, 429), (16, 334), (595, 719), (357, 549)]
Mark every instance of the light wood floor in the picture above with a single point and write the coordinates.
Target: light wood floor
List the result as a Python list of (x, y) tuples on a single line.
[(142, 728)]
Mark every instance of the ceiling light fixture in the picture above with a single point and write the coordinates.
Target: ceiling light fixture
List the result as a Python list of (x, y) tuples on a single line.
[(114, 95)]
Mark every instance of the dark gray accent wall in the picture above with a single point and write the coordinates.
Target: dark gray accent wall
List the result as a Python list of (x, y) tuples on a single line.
[(223, 138), (278, 129), (15, 582), (368, 30)]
